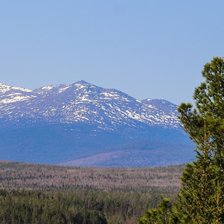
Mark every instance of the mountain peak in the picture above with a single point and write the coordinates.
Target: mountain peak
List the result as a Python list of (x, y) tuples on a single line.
[(82, 82)]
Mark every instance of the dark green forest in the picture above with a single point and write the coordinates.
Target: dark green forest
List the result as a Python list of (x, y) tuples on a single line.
[(53, 194), (76, 206)]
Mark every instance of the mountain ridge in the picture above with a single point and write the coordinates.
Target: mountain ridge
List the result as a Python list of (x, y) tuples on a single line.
[(80, 121), (73, 103)]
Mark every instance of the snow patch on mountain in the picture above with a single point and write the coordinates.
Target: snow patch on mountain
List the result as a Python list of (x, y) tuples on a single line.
[(14, 99), (46, 88), (5, 88)]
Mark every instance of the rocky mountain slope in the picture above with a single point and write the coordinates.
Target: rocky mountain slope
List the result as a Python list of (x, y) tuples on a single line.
[(84, 102)]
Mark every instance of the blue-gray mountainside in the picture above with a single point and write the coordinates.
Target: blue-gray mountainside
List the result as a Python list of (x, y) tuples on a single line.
[(85, 125)]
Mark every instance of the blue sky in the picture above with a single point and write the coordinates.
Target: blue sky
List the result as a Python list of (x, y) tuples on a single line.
[(146, 48)]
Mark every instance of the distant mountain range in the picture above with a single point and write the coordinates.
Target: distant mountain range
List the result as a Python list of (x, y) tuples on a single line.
[(86, 125)]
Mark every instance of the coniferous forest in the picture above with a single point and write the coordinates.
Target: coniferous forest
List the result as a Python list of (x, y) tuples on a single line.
[(53, 194)]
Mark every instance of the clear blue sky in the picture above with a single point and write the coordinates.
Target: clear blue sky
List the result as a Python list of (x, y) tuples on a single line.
[(147, 48)]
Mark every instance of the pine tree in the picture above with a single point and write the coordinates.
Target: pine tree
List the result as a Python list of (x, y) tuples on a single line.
[(160, 215), (201, 197)]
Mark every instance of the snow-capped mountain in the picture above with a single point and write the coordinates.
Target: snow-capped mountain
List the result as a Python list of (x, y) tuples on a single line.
[(84, 102), (83, 124)]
